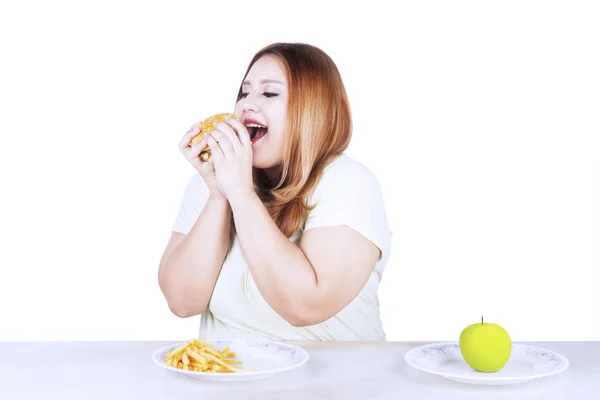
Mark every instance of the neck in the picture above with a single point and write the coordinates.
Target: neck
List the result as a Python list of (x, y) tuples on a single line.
[(272, 174)]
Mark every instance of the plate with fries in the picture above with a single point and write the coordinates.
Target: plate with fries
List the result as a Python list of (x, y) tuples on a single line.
[(230, 360)]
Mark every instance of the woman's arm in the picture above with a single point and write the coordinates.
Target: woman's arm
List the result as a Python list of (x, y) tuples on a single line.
[(310, 283), (305, 284), (191, 263)]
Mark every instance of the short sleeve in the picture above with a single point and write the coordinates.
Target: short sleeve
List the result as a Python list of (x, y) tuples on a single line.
[(194, 199), (349, 194)]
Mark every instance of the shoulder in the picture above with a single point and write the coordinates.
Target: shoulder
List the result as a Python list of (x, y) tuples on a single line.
[(345, 176), (344, 164), (196, 189), (345, 191), (195, 196), (349, 194)]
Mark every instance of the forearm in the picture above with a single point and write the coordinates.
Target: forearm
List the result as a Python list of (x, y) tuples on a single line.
[(279, 268), (190, 271)]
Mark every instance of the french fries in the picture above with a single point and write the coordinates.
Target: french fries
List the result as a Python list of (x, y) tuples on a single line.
[(200, 356)]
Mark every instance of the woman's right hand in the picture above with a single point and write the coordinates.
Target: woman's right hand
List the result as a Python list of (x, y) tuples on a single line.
[(192, 154)]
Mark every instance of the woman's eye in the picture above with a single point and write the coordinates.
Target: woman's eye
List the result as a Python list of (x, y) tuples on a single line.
[(266, 94)]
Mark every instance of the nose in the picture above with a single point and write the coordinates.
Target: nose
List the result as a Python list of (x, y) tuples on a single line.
[(249, 102), (249, 105)]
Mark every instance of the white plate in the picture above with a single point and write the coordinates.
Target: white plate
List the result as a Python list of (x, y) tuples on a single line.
[(263, 357), (525, 363)]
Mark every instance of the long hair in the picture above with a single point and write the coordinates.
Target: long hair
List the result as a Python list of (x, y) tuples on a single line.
[(318, 129)]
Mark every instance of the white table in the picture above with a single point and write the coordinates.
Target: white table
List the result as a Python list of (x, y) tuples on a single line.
[(336, 370)]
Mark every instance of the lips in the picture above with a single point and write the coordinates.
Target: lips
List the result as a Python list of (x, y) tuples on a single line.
[(256, 129)]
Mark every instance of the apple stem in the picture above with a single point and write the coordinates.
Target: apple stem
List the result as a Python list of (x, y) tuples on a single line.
[(482, 320)]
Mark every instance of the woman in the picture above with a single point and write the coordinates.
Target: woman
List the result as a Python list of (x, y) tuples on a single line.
[(280, 235)]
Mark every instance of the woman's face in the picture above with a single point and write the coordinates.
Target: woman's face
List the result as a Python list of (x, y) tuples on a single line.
[(262, 109)]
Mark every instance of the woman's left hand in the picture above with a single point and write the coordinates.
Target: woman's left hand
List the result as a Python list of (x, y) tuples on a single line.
[(231, 151)]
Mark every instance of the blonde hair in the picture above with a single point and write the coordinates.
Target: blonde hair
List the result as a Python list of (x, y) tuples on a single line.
[(318, 129)]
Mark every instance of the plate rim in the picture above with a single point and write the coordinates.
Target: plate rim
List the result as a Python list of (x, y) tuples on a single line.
[(491, 377), (161, 363)]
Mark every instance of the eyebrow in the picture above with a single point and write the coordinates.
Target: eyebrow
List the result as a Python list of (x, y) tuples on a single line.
[(263, 81)]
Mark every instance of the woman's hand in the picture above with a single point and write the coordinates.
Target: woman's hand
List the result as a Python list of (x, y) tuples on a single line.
[(192, 153), (232, 157)]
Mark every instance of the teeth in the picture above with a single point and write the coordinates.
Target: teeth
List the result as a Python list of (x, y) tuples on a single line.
[(255, 126)]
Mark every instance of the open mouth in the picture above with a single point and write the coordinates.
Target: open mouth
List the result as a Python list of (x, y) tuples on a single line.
[(256, 131)]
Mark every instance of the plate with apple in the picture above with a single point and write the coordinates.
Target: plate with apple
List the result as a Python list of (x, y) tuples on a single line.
[(485, 355)]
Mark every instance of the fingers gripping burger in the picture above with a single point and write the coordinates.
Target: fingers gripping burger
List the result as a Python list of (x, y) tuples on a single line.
[(206, 126)]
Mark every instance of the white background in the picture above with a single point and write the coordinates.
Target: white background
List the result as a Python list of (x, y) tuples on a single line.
[(480, 119)]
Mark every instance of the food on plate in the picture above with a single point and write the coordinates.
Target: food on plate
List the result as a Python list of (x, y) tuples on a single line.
[(206, 126), (486, 347), (200, 356)]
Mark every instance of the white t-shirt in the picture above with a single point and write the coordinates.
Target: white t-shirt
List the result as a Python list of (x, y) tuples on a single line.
[(347, 194)]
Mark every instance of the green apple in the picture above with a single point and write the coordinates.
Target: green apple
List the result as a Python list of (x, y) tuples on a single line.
[(486, 347)]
